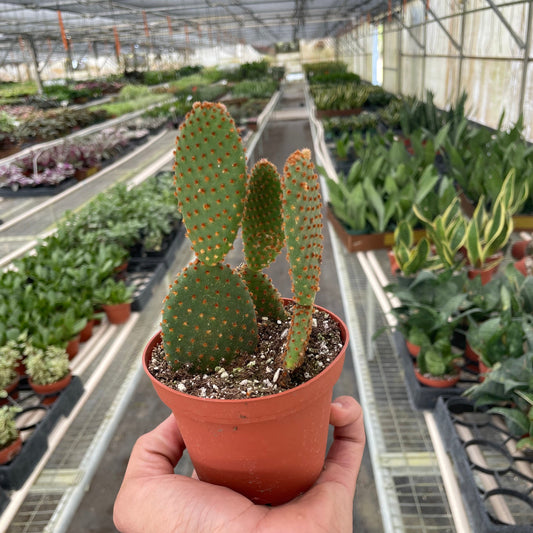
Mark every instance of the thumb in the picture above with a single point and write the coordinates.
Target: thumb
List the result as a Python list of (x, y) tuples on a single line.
[(344, 458)]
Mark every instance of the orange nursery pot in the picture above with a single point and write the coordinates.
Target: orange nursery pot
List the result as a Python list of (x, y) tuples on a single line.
[(270, 449), (51, 390), (117, 313)]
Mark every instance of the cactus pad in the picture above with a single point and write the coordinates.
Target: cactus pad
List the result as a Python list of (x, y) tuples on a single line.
[(210, 179), (266, 297), (262, 231), (208, 317), (303, 225), (301, 324)]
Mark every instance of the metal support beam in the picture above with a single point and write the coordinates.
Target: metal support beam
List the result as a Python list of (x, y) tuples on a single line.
[(409, 31), (455, 44), (505, 22), (34, 62), (461, 54), (525, 61)]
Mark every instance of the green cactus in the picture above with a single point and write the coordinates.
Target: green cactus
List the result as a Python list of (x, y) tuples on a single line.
[(302, 208), (210, 313)]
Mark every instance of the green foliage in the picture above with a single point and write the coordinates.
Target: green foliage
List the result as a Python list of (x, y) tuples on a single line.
[(9, 358), (384, 184), (410, 257), (8, 427), (324, 68), (508, 391), (113, 292), (257, 88), (339, 96), (431, 304), (45, 366), (438, 358), (487, 232)]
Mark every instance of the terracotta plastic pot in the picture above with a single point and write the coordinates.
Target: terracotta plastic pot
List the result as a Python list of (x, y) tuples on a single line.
[(117, 313), (438, 382), (87, 332), (413, 349), (470, 353), (51, 390), (11, 390), (483, 370), (486, 272), (269, 449), (8, 453), (524, 265), (73, 347), (518, 249), (394, 267)]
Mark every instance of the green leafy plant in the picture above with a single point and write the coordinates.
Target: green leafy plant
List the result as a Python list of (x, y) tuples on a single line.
[(113, 292), (410, 257), (437, 358), (8, 427), (487, 232), (9, 357), (508, 391), (432, 305), (45, 366), (210, 312), (447, 232)]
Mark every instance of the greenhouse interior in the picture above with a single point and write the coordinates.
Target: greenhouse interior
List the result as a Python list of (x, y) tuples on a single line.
[(201, 250)]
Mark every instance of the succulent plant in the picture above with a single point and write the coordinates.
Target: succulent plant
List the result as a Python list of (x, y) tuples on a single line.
[(211, 311)]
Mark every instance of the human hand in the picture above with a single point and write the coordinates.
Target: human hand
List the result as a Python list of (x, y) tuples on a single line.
[(154, 499)]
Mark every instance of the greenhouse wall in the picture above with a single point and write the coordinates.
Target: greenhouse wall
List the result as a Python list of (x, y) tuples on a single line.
[(451, 47)]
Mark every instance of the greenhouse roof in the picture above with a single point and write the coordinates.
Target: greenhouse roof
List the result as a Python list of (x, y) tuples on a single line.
[(163, 25)]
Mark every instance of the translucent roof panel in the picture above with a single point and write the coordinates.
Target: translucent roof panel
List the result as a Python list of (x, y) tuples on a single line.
[(170, 24)]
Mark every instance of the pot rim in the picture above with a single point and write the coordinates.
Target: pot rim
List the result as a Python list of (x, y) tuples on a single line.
[(247, 401)]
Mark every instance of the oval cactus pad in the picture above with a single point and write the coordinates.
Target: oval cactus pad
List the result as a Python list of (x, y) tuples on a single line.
[(210, 178), (262, 231), (208, 316)]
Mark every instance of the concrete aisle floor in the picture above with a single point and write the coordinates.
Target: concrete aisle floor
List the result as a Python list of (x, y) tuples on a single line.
[(287, 131)]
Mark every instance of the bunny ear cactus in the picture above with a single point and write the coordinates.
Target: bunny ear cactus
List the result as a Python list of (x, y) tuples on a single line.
[(302, 217), (208, 314)]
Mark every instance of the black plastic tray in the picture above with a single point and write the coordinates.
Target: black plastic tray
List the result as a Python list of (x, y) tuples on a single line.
[(143, 277), (40, 190), (502, 468), (14, 474)]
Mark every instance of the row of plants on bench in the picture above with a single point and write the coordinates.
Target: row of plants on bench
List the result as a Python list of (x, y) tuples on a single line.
[(51, 293), (49, 296), (476, 158), (59, 162), (379, 189)]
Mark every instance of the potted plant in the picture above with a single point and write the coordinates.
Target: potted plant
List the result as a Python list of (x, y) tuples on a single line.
[(507, 391), (447, 233), (407, 256), (488, 231), (9, 359), (246, 418), (115, 298), (432, 307), (10, 441), (48, 370), (437, 363)]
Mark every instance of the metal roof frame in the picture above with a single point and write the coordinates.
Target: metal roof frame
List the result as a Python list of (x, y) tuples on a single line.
[(159, 26)]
